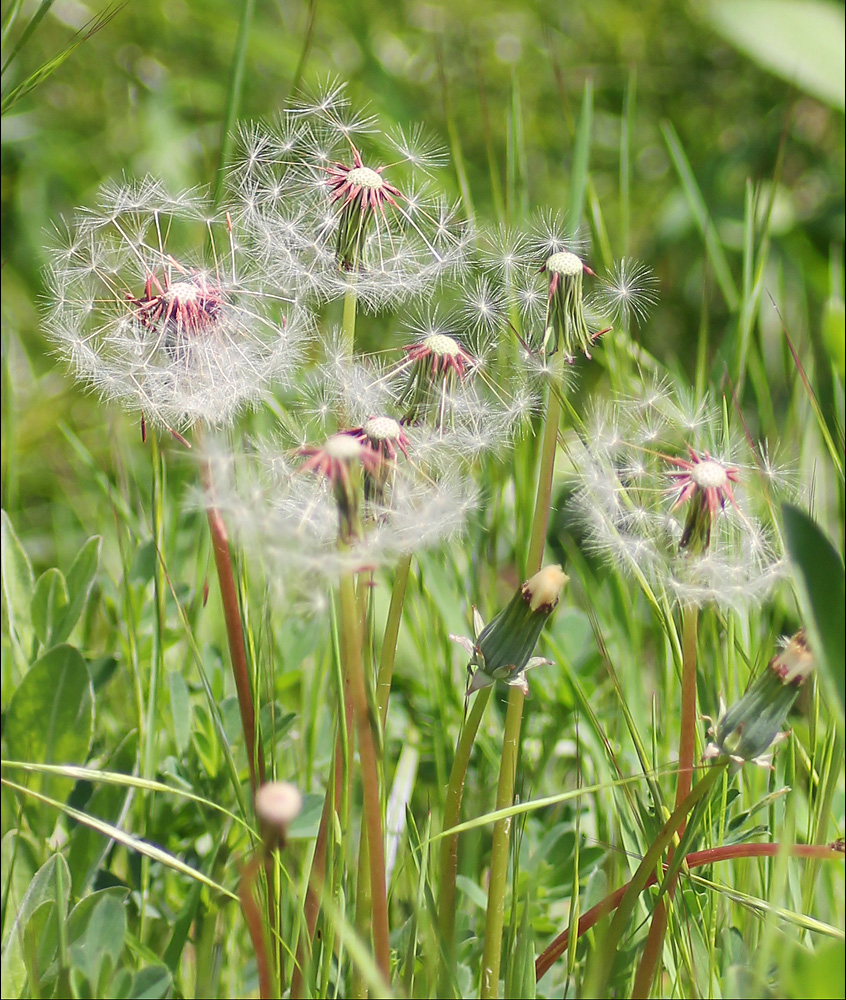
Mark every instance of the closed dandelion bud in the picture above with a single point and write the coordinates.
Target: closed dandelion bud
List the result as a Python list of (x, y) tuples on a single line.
[(503, 649), (752, 725)]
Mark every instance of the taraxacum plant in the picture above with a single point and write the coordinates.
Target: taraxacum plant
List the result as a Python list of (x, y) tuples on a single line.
[(676, 498), (337, 205), (149, 318)]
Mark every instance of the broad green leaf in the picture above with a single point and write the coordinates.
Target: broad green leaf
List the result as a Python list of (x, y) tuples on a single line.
[(49, 602), (100, 939), (41, 939), (151, 983), (799, 40), (80, 580), (819, 575), (818, 974), (50, 883), (17, 582), (51, 716)]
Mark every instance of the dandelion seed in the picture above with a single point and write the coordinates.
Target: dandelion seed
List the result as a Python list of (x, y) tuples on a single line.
[(626, 293)]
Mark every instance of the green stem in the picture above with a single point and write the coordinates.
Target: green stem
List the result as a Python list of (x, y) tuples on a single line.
[(233, 95), (540, 520), (687, 736), (348, 322), (388, 654), (351, 642), (495, 915), (151, 726), (449, 844)]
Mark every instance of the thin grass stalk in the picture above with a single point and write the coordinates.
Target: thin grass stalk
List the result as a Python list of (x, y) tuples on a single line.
[(387, 656), (492, 955), (696, 859), (351, 642), (654, 945)]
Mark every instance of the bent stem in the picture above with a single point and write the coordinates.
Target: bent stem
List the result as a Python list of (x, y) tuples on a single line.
[(687, 744), (351, 643), (697, 859), (495, 915), (604, 957)]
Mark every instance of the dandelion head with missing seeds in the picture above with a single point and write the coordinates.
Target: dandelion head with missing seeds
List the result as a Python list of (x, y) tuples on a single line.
[(354, 501), (336, 204), (669, 491), (564, 305), (155, 304)]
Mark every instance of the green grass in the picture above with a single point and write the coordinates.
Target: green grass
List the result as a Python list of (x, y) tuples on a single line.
[(127, 817)]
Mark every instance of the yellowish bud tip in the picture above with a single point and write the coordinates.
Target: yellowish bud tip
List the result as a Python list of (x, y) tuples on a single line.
[(795, 662), (544, 588), (278, 802)]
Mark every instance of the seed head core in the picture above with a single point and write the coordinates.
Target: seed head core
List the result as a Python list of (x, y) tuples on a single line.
[(343, 448), (709, 475), (382, 429), (442, 345), (564, 263), (364, 177)]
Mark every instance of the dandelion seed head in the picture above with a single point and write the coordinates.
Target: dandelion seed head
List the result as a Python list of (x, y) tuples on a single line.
[(660, 505)]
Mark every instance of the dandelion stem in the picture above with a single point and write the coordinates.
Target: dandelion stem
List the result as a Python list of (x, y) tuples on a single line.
[(252, 915), (687, 736), (495, 916), (235, 634), (696, 859), (351, 643), (499, 852), (348, 322), (157, 661), (388, 654), (449, 845)]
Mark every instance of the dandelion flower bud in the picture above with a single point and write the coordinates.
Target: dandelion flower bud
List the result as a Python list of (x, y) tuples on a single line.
[(503, 649), (752, 725)]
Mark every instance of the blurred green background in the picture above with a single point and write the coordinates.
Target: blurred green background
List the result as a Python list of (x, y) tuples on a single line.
[(753, 90)]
